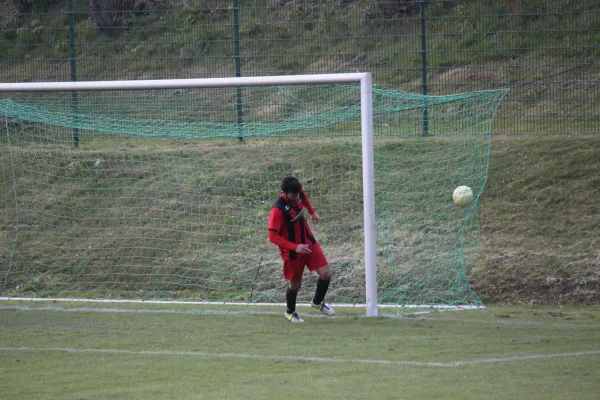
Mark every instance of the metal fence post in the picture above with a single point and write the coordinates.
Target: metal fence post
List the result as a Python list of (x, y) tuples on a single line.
[(238, 69), (422, 20), (73, 62)]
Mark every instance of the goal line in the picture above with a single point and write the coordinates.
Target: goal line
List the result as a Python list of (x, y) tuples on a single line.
[(437, 307)]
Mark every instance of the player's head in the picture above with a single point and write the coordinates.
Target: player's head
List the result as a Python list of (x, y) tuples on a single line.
[(291, 185), (291, 188)]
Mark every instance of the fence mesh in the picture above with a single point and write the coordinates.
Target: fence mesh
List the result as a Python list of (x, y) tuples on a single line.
[(546, 51)]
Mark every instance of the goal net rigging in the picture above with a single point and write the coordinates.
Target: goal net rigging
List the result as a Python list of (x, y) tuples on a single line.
[(146, 192)]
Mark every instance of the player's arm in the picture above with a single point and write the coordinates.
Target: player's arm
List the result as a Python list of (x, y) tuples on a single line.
[(275, 222), (314, 217), (281, 242)]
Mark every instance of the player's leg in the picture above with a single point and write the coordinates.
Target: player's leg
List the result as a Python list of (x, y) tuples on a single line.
[(292, 272), (318, 262), (291, 295)]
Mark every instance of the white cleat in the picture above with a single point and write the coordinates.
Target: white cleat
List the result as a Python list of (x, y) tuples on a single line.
[(324, 308), (293, 317)]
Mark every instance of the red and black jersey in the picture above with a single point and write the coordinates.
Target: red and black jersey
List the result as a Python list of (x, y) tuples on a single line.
[(290, 233)]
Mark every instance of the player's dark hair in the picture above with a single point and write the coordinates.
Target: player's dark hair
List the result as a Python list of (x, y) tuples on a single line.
[(290, 184)]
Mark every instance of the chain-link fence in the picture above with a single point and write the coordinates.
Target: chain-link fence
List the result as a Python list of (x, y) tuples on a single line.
[(546, 51)]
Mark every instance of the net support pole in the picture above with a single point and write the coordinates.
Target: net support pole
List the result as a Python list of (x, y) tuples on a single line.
[(366, 121)]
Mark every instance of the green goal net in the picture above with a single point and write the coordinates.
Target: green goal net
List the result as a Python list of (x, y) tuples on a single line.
[(152, 194)]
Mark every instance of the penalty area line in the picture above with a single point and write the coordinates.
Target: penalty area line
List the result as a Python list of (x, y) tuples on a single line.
[(448, 364)]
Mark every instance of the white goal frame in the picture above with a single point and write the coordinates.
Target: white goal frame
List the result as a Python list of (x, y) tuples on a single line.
[(366, 106)]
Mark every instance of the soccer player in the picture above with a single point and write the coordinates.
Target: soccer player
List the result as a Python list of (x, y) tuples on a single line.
[(297, 246)]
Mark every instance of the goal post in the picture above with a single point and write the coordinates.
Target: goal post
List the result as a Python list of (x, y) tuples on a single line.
[(161, 202)]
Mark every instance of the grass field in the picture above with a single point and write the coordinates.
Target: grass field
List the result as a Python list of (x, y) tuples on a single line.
[(164, 351)]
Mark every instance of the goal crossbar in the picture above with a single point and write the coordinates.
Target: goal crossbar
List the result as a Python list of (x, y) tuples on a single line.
[(188, 83)]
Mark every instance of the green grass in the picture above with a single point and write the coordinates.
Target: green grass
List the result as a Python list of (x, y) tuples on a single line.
[(152, 351), (295, 38), (540, 221)]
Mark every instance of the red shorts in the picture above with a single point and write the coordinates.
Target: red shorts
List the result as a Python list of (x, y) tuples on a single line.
[(293, 269)]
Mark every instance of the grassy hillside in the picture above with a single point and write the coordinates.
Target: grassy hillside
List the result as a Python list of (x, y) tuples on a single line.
[(539, 216), (541, 221), (504, 42)]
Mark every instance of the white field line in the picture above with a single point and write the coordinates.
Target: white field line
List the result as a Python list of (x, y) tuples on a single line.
[(204, 311), (141, 311), (203, 354), (437, 307)]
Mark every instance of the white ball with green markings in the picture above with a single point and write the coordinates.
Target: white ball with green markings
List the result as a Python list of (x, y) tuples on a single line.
[(462, 196)]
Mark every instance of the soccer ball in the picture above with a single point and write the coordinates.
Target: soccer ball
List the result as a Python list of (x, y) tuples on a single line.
[(462, 196)]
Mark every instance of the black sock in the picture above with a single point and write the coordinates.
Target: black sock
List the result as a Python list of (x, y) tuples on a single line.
[(322, 287), (290, 298)]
